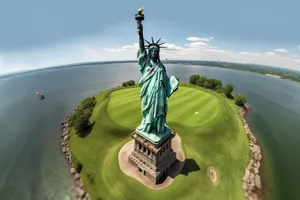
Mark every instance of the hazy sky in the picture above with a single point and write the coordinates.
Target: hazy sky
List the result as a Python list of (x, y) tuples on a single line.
[(37, 33)]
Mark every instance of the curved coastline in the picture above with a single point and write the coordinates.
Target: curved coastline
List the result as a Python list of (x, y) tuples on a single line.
[(252, 178), (81, 193)]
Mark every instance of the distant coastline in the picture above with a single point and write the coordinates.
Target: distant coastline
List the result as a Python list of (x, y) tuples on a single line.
[(274, 76), (283, 73), (276, 72), (63, 67)]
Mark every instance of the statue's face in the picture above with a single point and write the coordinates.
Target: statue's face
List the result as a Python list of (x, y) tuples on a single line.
[(154, 51)]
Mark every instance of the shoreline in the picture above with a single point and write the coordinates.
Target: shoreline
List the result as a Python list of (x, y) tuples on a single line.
[(80, 192), (252, 181), (273, 76)]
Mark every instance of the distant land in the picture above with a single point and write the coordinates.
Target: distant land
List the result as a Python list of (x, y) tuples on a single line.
[(276, 72)]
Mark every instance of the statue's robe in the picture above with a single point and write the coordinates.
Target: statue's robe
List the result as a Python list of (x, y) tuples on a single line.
[(155, 88)]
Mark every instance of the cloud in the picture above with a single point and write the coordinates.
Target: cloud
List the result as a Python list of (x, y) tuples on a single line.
[(197, 44), (198, 39), (133, 47), (201, 49), (196, 48), (172, 47), (270, 53), (281, 50)]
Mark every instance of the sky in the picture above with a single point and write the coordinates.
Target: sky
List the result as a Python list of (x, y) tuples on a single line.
[(37, 34)]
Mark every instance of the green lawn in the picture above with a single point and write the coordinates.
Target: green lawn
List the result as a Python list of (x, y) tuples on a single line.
[(213, 137)]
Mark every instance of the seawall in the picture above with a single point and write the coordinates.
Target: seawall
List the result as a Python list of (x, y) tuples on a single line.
[(251, 180), (81, 194)]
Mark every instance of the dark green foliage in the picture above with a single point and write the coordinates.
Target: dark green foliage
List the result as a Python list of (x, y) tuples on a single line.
[(229, 87), (194, 78), (77, 112), (88, 103), (209, 83), (76, 164), (228, 90), (216, 85), (128, 83), (206, 84), (82, 121), (240, 100), (201, 81), (212, 83), (219, 89)]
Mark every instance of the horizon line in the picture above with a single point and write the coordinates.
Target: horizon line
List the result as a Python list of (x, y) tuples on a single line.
[(6, 75)]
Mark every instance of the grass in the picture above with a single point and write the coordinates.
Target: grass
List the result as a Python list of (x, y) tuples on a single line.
[(215, 137)]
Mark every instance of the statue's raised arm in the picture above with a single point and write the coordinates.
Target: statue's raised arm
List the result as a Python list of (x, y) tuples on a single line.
[(139, 18)]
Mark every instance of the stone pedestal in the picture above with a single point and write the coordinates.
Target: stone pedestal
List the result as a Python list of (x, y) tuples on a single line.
[(152, 160)]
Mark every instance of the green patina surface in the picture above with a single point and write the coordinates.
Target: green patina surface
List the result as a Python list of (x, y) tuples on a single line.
[(156, 87)]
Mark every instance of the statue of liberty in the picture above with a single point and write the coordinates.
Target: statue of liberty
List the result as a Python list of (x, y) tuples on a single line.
[(155, 85)]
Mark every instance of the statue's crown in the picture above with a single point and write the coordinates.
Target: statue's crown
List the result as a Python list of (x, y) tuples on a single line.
[(157, 44)]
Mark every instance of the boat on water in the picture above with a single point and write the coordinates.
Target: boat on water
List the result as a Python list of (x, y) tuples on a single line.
[(40, 95)]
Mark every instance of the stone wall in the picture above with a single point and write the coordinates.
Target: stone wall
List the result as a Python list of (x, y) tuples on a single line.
[(251, 179), (81, 194)]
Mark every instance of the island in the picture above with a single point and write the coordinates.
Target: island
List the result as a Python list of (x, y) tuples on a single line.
[(162, 139), (220, 150)]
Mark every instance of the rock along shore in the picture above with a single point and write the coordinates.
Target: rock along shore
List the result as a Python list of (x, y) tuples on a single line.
[(81, 194), (251, 179)]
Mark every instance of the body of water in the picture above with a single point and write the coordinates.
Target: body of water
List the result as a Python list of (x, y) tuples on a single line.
[(32, 166)]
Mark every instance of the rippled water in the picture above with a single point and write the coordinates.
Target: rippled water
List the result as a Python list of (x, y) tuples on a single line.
[(33, 168)]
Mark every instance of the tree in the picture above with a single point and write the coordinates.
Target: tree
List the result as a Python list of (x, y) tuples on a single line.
[(240, 100), (74, 116), (82, 121), (228, 90), (209, 83), (130, 83), (194, 78), (88, 103), (219, 83), (201, 81), (229, 87), (205, 84), (219, 89), (214, 83)]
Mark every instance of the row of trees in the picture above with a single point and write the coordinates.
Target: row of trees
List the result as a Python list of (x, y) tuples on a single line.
[(215, 84), (131, 82), (128, 83), (80, 119)]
